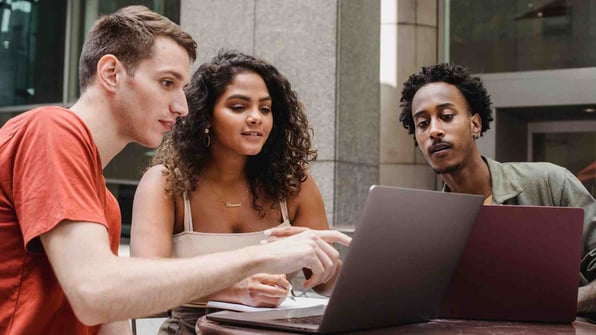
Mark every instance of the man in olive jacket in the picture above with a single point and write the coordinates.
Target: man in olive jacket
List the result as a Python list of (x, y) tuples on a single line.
[(447, 110)]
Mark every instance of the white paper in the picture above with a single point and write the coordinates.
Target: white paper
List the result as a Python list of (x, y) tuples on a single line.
[(290, 302)]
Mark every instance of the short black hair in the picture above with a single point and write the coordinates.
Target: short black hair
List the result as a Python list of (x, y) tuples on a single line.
[(470, 87)]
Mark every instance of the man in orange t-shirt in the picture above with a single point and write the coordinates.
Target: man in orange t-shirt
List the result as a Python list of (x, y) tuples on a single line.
[(60, 226)]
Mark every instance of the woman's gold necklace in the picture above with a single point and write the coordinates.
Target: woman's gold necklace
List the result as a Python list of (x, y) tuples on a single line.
[(226, 203)]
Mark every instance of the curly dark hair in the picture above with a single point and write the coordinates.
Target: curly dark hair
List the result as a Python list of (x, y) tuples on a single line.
[(278, 170), (471, 88)]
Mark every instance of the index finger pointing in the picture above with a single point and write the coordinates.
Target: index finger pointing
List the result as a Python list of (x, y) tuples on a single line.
[(334, 236)]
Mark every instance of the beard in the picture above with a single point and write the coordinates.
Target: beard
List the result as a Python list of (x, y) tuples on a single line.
[(448, 169)]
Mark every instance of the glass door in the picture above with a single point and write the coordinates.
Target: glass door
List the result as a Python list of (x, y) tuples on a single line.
[(571, 144)]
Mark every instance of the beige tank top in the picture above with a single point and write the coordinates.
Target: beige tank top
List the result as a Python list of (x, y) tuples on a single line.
[(190, 243)]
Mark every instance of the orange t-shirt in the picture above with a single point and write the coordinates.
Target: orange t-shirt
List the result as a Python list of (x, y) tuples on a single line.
[(50, 171)]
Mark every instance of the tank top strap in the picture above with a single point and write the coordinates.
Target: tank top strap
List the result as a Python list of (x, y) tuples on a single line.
[(187, 213), (283, 205)]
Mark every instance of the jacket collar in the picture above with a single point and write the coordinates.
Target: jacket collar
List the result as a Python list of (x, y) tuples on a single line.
[(505, 185)]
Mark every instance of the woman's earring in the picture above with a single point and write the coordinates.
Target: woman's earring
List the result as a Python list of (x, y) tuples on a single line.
[(206, 138), (476, 136)]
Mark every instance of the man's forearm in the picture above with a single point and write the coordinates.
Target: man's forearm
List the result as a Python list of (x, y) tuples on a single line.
[(102, 287), (129, 287), (586, 299)]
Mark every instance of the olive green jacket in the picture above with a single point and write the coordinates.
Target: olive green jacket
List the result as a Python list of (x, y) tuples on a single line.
[(546, 184)]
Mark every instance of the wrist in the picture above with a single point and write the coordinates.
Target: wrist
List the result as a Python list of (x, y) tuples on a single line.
[(257, 260)]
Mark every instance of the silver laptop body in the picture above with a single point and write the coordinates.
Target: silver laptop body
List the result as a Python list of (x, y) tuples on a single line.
[(403, 253)]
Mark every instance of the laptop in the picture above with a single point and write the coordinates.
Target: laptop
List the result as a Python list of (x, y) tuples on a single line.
[(521, 263), (405, 249)]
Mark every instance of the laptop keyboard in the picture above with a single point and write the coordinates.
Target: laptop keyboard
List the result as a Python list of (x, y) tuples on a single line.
[(310, 319)]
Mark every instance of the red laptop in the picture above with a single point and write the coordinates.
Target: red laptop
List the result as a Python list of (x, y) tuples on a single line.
[(520, 263)]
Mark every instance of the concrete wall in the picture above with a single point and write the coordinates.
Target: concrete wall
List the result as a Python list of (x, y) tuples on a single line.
[(329, 51)]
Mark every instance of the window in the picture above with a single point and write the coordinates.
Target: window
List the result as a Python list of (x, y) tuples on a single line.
[(31, 51)]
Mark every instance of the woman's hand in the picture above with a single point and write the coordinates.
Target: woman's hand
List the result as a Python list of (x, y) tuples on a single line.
[(262, 290)]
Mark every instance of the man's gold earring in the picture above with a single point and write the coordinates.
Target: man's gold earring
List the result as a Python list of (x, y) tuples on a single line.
[(206, 138)]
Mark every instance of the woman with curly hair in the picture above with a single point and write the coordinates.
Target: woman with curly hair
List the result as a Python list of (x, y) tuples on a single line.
[(233, 168)]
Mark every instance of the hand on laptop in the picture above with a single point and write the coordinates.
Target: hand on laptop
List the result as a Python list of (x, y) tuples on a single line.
[(312, 249)]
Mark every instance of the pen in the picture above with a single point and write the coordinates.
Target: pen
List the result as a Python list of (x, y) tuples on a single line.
[(290, 294)]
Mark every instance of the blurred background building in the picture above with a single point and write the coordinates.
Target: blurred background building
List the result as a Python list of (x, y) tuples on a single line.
[(347, 59)]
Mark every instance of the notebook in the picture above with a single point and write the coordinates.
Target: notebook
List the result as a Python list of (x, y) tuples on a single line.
[(406, 246), (521, 263)]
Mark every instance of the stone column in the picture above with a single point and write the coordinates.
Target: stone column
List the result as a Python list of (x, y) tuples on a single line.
[(409, 41), (329, 51)]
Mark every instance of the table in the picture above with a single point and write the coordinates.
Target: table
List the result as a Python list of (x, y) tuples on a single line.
[(440, 326)]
